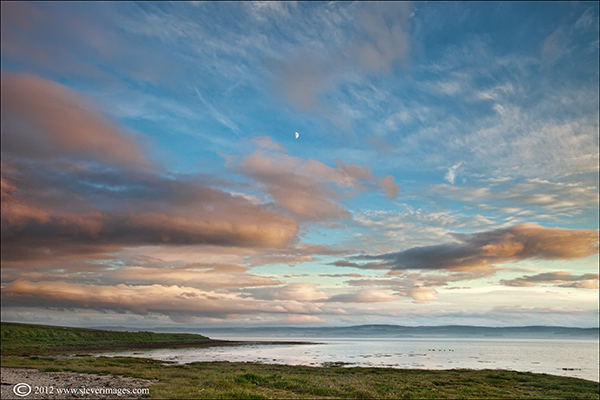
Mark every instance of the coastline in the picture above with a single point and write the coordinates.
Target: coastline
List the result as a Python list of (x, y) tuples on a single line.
[(46, 348)]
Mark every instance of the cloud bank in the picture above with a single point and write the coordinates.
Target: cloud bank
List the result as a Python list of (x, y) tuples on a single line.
[(482, 250)]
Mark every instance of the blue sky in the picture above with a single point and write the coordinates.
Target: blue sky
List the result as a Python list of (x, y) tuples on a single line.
[(445, 169)]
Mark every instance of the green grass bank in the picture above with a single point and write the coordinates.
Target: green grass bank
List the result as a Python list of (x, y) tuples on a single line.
[(224, 380), (26, 340)]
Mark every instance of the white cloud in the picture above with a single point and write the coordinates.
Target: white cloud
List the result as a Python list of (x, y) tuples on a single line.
[(451, 174)]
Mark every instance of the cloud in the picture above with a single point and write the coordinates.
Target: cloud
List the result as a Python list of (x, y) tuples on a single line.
[(293, 255), (309, 189), (560, 279), (293, 188), (216, 114), (515, 200), (419, 294), (554, 47), (389, 186), (451, 174), (378, 40), (405, 280), (301, 81), (383, 231), (418, 286), (71, 40), (299, 291), (480, 251), (385, 27), (75, 184), (263, 10), (199, 276), (586, 20), (267, 142), (45, 120), (180, 303), (497, 124), (374, 265), (146, 210), (363, 296)]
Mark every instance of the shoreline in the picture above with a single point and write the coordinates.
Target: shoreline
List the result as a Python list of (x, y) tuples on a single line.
[(156, 346)]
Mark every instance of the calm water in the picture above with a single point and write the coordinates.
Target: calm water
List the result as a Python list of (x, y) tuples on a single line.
[(575, 358)]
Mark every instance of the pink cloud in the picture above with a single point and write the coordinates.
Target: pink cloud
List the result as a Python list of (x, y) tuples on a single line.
[(364, 296), (389, 186), (199, 276), (76, 184), (45, 120), (299, 291), (177, 302), (309, 189)]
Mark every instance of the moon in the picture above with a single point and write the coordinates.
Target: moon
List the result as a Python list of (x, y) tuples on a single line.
[(297, 135)]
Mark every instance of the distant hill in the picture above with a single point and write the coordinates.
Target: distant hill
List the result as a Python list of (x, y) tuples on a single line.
[(398, 331), (394, 331)]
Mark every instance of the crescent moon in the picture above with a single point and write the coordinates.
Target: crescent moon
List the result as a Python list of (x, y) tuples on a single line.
[(297, 135)]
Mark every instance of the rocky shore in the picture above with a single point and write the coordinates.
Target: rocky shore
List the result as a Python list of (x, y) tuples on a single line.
[(17, 382)]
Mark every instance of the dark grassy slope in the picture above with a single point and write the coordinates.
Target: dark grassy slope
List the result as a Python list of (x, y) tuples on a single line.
[(223, 380), (25, 339)]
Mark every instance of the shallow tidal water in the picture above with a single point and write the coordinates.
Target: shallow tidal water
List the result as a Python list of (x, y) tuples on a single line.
[(574, 358)]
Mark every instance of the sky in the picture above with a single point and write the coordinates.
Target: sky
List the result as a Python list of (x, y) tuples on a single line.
[(213, 164)]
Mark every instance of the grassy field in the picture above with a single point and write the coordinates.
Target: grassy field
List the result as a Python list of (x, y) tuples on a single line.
[(25, 339), (223, 380)]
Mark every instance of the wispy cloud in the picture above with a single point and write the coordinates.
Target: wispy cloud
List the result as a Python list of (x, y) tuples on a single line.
[(560, 279), (384, 40), (217, 114), (451, 174)]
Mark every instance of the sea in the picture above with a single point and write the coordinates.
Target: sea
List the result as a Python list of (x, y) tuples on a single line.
[(563, 357)]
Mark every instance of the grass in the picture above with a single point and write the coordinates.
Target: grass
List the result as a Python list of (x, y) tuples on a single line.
[(26, 339), (224, 380)]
